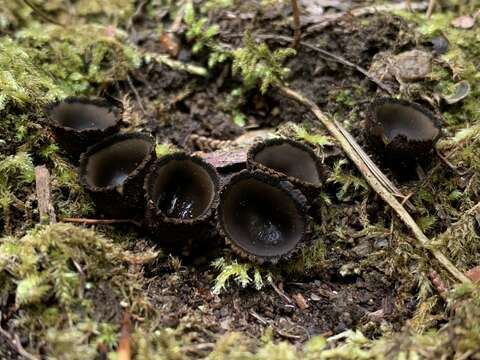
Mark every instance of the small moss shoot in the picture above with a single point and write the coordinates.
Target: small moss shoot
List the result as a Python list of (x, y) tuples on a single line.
[(243, 274)]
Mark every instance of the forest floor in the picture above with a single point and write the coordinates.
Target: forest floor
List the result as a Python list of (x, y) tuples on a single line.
[(362, 288)]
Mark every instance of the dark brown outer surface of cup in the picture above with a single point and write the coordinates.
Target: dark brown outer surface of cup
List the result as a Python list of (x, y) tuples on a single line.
[(123, 201), (76, 141), (402, 147)]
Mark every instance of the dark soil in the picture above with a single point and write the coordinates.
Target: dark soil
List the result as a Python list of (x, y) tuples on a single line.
[(178, 105)]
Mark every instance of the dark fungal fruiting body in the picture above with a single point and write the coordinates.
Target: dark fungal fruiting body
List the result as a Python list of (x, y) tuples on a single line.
[(263, 218), (289, 160), (78, 123), (182, 194), (401, 130), (113, 172)]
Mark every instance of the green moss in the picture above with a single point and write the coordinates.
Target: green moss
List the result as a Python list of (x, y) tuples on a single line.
[(65, 263), (244, 274), (84, 55), (459, 63), (18, 13)]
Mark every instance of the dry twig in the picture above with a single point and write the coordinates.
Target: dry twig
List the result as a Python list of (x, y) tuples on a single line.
[(44, 196), (297, 30), (135, 92), (100, 221), (431, 6), (41, 13), (124, 348)]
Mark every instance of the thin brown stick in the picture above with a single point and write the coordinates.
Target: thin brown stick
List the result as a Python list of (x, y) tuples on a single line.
[(41, 13), (44, 195), (124, 348), (297, 29), (100, 221), (376, 184), (281, 293), (135, 92), (408, 5), (431, 6)]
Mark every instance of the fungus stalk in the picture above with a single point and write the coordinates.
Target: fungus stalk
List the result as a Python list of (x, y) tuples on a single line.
[(372, 179)]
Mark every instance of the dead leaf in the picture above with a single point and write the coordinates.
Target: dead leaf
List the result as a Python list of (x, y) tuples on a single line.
[(169, 44), (463, 22), (462, 90), (474, 274)]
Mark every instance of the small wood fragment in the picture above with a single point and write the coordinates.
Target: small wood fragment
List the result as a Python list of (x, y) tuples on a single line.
[(44, 195), (223, 159), (301, 302), (124, 348)]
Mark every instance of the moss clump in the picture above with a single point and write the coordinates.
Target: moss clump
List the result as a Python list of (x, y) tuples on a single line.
[(54, 272), (16, 172), (85, 55), (22, 81), (459, 63), (18, 13), (244, 274)]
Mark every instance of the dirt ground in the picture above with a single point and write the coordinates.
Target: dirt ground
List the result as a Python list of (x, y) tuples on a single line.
[(364, 279), (334, 303)]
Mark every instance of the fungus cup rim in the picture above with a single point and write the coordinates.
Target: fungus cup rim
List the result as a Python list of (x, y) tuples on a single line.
[(373, 119), (296, 196), (258, 147), (182, 156), (83, 100), (84, 158)]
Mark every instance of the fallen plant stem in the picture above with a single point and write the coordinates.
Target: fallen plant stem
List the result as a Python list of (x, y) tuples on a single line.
[(100, 221), (374, 182), (297, 30), (177, 65), (135, 92), (431, 6), (41, 13), (124, 348)]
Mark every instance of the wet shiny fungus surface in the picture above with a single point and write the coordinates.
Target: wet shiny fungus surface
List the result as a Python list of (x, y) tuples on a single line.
[(182, 188), (113, 164), (260, 218)]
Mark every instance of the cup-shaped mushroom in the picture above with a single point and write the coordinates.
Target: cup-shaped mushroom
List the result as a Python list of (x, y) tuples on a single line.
[(78, 123), (289, 160), (402, 130), (182, 195), (113, 172), (262, 217)]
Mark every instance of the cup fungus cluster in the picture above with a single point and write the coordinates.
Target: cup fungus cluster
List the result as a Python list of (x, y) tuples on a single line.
[(260, 211)]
